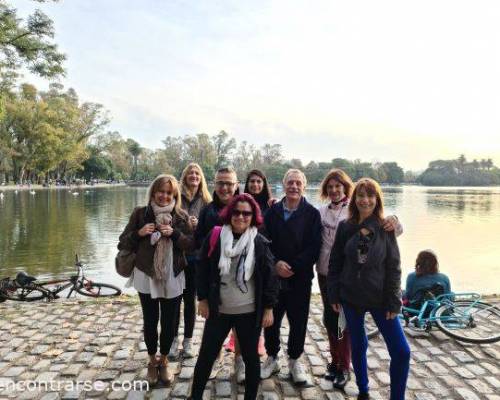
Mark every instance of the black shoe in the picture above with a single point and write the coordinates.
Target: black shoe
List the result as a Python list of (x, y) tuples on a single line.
[(331, 372), (363, 396), (341, 379)]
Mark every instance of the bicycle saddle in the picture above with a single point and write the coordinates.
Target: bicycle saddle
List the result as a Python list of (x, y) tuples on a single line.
[(24, 279)]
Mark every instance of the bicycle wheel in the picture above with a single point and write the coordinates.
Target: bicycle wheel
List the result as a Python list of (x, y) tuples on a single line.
[(96, 289), (468, 321), (370, 326), (25, 293)]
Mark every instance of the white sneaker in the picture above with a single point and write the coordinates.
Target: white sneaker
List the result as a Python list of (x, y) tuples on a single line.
[(297, 372), (187, 349), (239, 369), (174, 349), (269, 367)]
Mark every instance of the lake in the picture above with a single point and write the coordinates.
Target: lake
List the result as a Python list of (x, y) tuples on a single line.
[(40, 233)]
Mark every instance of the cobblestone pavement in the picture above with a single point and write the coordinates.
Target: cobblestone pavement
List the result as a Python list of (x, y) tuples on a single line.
[(99, 344)]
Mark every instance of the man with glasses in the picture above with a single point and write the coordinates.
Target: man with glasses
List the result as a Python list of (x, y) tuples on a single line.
[(226, 186), (294, 228)]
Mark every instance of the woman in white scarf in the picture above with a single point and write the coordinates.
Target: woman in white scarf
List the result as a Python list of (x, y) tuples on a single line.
[(159, 234), (236, 289)]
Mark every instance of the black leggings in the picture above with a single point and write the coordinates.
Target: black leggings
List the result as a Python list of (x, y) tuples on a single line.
[(151, 315), (216, 330), (189, 302)]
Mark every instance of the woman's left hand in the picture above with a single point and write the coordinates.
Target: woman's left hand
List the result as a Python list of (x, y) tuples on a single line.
[(390, 315), (166, 230), (390, 223), (267, 319)]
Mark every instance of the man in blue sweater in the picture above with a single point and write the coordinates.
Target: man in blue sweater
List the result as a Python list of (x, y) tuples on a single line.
[(294, 228)]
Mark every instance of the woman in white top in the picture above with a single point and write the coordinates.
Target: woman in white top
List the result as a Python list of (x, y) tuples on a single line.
[(159, 234)]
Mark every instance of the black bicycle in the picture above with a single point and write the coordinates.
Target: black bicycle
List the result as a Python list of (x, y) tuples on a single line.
[(27, 288)]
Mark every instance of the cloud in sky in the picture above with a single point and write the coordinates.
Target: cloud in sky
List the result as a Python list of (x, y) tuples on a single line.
[(386, 80)]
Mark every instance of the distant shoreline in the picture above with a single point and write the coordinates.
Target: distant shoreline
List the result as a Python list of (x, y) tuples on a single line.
[(54, 187)]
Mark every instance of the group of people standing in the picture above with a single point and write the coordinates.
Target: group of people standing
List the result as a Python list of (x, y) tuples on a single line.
[(249, 259)]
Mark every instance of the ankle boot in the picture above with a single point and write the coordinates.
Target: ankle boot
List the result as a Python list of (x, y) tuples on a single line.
[(165, 375), (152, 372)]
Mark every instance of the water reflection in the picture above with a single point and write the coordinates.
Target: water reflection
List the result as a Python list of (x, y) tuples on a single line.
[(41, 233)]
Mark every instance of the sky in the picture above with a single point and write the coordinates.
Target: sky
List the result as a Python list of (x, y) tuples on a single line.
[(373, 80)]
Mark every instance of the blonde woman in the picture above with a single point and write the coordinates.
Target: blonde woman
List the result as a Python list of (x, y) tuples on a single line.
[(195, 196), (159, 233)]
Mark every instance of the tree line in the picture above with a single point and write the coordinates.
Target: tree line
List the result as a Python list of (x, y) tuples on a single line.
[(52, 135)]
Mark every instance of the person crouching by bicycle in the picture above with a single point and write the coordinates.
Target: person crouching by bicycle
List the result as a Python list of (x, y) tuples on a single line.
[(425, 277), (364, 274), (237, 288), (159, 233)]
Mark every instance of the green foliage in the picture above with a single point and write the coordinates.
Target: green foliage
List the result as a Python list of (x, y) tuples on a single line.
[(45, 134), (459, 172), (28, 44)]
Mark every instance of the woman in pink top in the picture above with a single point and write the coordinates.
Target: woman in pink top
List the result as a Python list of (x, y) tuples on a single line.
[(337, 188)]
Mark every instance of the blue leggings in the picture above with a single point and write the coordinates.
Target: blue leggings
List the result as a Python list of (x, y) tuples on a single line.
[(396, 345)]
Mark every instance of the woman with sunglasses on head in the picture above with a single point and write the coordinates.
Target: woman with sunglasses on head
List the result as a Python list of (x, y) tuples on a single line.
[(365, 276), (159, 234), (236, 289)]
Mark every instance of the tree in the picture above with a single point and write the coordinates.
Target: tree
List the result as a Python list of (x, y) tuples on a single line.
[(224, 146), (135, 151), (28, 44)]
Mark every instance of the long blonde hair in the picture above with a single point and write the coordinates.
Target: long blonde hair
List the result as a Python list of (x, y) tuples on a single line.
[(202, 188), (158, 182)]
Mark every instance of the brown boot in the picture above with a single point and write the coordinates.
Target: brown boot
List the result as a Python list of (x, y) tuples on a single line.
[(153, 372), (165, 375)]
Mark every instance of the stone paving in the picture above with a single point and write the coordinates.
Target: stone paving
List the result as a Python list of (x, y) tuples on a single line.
[(79, 349)]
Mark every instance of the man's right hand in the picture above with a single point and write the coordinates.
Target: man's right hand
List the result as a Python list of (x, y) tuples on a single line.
[(283, 269)]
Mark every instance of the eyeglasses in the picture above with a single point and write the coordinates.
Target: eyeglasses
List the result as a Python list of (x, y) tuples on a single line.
[(245, 214), (223, 183)]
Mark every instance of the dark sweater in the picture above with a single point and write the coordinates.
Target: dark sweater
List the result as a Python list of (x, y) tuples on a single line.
[(208, 218), (297, 240), (208, 277), (374, 284)]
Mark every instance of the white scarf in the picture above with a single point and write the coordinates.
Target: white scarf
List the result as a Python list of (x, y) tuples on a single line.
[(246, 241), (163, 257)]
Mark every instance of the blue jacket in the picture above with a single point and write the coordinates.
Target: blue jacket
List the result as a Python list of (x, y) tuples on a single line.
[(416, 284), (296, 241)]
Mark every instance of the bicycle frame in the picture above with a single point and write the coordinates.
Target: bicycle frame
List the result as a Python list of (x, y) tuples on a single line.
[(429, 308), (71, 282)]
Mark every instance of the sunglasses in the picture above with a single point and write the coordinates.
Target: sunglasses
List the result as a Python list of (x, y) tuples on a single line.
[(245, 214)]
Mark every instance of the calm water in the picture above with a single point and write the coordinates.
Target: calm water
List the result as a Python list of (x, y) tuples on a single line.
[(41, 233)]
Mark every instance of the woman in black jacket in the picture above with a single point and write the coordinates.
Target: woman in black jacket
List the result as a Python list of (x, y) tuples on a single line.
[(365, 275), (236, 288)]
